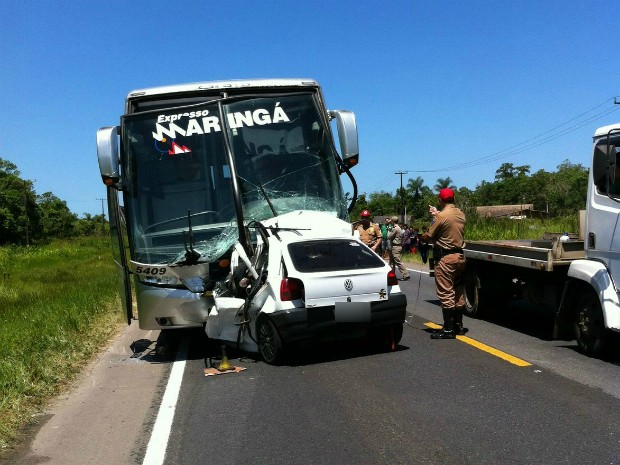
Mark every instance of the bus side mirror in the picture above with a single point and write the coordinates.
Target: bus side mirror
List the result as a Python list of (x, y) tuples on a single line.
[(347, 135), (107, 154)]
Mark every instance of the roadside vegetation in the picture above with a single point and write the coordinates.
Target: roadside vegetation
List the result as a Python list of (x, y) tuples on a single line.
[(58, 306), (478, 229), (547, 194)]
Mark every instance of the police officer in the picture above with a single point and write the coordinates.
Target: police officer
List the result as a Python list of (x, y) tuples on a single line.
[(447, 233), (369, 232), (396, 236)]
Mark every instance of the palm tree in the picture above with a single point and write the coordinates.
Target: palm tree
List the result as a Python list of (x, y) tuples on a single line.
[(414, 185), (442, 183)]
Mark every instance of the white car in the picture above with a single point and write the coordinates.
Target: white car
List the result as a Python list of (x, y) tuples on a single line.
[(308, 279)]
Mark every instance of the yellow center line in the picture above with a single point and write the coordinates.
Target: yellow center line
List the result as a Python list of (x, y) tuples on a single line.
[(486, 348)]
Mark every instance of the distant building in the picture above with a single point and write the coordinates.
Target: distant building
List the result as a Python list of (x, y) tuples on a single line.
[(515, 212)]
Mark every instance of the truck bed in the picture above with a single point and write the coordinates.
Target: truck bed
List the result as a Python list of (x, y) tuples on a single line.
[(540, 254)]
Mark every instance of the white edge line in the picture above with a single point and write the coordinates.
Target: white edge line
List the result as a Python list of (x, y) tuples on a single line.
[(156, 449), (417, 271)]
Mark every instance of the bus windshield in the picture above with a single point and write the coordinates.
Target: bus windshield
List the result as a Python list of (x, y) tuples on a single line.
[(177, 172)]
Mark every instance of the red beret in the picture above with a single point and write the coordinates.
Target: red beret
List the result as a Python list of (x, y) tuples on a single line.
[(446, 195)]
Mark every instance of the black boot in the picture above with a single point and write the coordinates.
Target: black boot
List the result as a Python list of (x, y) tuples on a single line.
[(459, 329), (448, 325)]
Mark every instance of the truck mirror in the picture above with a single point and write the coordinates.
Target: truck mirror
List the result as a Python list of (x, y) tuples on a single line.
[(347, 135), (107, 154)]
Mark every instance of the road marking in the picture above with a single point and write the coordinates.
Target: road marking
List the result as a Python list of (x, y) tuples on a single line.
[(156, 450), (417, 271), (486, 348)]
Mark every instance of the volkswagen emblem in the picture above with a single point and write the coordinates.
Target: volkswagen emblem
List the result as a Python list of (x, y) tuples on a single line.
[(348, 284)]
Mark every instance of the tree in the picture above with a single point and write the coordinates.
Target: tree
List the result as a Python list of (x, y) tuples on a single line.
[(90, 225), (56, 218), (18, 211), (417, 196), (383, 203), (7, 167), (509, 171), (568, 188), (443, 183)]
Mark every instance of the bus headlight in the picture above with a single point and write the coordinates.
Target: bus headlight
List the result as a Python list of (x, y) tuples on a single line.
[(159, 280), (195, 284)]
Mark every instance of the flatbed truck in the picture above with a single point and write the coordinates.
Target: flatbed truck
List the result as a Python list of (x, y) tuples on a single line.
[(578, 277)]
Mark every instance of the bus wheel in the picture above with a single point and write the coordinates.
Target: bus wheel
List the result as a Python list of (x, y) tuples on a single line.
[(269, 341), (590, 330)]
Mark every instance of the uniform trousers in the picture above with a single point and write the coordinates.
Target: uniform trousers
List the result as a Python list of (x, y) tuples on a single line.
[(395, 260), (448, 283)]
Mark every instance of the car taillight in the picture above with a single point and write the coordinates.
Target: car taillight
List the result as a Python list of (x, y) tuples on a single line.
[(291, 289), (392, 281)]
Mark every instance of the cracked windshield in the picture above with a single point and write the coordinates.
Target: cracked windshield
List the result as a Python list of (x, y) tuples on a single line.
[(178, 174)]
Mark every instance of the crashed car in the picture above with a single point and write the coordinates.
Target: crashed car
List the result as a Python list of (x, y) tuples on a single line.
[(306, 279)]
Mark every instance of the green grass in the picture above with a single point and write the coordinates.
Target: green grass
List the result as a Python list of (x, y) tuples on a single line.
[(58, 306), (488, 229)]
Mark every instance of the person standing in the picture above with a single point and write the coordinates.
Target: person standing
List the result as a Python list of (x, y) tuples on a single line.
[(396, 238), (384, 240), (448, 235), (369, 232), (423, 246)]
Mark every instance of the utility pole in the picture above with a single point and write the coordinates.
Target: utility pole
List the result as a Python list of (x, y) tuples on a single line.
[(102, 217), (403, 207)]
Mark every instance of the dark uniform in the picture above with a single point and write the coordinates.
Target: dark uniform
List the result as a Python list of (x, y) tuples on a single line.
[(447, 233)]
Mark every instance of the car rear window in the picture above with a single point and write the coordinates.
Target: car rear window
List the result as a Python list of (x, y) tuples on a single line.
[(332, 255)]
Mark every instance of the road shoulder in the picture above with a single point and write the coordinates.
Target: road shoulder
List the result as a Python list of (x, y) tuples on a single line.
[(101, 417)]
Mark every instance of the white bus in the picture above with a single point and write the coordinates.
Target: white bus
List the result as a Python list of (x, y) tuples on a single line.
[(202, 169)]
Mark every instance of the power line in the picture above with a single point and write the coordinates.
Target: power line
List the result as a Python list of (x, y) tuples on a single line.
[(533, 142), (382, 183)]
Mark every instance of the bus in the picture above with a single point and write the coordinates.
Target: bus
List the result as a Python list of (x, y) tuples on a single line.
[(195, 175)]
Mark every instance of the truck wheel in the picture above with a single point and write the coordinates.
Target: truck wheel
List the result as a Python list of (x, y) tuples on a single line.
[(590, 330), (472, 296), (269, 341)]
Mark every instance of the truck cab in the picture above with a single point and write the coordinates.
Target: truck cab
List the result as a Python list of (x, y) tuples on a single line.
[(590, 307)]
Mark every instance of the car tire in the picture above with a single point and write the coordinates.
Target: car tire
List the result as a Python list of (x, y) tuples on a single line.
[(269, 341)]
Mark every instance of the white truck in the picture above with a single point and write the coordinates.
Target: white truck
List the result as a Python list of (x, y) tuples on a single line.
[(235, 220), (581, 276)]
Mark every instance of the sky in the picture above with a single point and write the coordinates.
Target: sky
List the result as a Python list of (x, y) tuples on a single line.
[(439, 88)]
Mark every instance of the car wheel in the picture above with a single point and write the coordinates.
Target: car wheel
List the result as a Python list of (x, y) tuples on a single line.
[(590, 330), (269, 341)]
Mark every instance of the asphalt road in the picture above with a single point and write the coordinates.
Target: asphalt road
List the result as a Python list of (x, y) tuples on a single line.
[(506, 393)]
